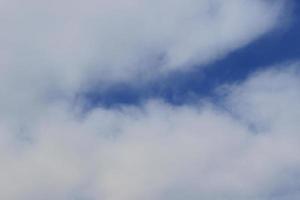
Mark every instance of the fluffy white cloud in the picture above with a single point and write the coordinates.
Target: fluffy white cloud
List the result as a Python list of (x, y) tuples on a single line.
[(159, 151)]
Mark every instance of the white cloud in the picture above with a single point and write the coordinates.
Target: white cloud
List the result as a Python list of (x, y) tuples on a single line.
[(64, 43), (159, 151)]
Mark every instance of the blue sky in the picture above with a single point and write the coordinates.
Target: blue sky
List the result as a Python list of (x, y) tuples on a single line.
[(279, 46), (150, 100)]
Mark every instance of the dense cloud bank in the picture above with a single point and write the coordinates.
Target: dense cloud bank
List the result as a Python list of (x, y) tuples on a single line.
[(247, 147)]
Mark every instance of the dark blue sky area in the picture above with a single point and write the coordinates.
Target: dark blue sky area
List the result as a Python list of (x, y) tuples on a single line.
[(178, 88)]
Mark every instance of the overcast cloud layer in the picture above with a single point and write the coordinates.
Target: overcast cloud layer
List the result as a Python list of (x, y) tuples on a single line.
[(246, 148)]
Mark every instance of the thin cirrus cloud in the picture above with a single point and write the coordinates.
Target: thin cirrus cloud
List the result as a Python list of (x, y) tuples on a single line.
[(248, 149)]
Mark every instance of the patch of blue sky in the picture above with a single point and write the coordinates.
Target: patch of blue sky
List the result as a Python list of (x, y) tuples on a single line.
[(281, 45)]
